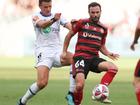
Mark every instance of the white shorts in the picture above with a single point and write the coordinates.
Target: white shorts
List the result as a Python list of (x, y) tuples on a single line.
[(48, 57)]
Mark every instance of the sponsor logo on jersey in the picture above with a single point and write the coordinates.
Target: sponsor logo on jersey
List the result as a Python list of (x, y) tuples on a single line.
[(85, 34), (47, 30)]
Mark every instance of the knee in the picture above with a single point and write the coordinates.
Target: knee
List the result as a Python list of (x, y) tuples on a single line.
[(79, 86), (136, 86), (41, 84), (113, 68), (136, 83), (133, 83)]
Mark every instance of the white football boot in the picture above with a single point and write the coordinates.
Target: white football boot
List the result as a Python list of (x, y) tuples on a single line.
[(105, 101)]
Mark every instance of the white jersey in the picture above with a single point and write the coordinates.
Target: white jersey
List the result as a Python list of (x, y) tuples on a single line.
[(49, 36), (48, 46)]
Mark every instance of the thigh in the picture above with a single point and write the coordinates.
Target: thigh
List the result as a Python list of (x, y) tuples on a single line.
[(94, 67), (106, 65), (42, 74)]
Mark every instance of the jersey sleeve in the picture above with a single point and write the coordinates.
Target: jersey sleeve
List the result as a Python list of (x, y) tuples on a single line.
[(35, 19), (76, 26), (63, 21)]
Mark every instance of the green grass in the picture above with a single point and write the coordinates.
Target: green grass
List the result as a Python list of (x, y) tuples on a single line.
[(17, 74)]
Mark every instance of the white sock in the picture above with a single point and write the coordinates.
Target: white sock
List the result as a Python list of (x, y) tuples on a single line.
[(33, 89), (72, 81)]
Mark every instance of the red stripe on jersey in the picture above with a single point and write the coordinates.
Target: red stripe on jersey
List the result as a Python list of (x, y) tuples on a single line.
[(86, 48), (94, 28), (90, 35), (90, 42), (83, 55)]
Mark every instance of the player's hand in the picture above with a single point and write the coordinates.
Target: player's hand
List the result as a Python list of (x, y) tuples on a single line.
[(57, 16), (63, 56), (73, 21), (132, 47), (113, 56)]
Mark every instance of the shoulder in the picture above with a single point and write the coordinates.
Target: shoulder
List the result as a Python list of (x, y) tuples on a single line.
[(79, 21), (82, 21), (102, 25), (138, 24), (85, 20), (36, 16), (104, 28)]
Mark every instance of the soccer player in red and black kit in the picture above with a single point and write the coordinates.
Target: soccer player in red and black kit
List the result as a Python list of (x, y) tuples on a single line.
[(91, 40), (136, 81)]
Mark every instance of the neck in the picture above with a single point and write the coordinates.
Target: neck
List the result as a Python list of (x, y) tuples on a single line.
[(46, 15)]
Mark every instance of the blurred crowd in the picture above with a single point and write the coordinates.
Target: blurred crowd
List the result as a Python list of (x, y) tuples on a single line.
[(14, 9), (120, 17)]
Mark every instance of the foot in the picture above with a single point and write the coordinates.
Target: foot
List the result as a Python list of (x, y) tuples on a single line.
[(70, 100), (20, 103), (105, 101)]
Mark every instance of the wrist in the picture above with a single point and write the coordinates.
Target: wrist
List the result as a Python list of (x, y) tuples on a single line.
[(111, 54), (64, 51), (53, 20), (135, 42)]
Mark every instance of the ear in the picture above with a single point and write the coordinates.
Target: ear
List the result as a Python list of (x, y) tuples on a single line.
[(88, 11), (40, 6)]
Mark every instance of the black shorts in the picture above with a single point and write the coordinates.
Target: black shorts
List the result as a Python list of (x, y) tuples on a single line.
[(83, 65)]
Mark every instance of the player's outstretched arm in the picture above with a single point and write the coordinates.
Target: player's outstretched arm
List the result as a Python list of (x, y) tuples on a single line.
[(136, 37), (68, 26), (111, 55), (45, 23), (66, 44)]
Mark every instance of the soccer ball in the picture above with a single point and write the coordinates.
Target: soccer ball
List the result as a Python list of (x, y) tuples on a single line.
[(100, 92)]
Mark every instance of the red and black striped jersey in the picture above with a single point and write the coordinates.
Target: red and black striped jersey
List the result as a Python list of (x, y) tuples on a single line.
[(91, 36)]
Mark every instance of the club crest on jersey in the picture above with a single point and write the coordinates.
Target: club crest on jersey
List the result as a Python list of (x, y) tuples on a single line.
[(87, 25)]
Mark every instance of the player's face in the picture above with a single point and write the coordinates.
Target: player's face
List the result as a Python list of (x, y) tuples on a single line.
[(94, 13), (46, 8)]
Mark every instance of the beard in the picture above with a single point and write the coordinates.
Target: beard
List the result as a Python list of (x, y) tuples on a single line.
[(95, 19)]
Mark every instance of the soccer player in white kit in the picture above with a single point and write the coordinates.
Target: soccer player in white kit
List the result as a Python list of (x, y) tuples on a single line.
[(48, 47)]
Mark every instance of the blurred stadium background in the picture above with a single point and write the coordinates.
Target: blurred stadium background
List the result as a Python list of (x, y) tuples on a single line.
[(16, 29), (17, 49)]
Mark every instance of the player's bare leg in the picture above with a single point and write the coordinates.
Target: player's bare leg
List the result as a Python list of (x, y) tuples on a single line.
[(67, 61), (136, 84), (78, 92), (42, 81)]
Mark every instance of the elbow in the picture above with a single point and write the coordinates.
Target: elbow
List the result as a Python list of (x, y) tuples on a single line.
[(42, 26)]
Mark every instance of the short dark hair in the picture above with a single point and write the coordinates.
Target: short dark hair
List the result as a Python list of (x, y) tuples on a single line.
[(40, 1), (93, 4)]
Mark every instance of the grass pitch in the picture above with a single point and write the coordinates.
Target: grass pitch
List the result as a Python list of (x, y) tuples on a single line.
[(17, 74)]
